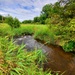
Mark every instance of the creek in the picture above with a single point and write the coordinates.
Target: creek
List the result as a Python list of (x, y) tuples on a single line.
[(57, 59)]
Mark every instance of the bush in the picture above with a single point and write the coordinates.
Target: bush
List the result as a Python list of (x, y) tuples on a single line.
[(27, 21), (69, 46), (55, 19), (13, 22), (48, 21), (16, 23), (10, 21), (45, 35)]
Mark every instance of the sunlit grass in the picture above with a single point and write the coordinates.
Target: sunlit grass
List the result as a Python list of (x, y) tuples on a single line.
[(54, 34), (14, 60), (25, 29)]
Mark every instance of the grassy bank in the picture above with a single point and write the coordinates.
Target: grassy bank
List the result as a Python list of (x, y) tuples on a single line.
[(54, 34), (14, 60)]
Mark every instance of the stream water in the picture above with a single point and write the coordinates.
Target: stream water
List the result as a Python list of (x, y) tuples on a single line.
[(58, 60)]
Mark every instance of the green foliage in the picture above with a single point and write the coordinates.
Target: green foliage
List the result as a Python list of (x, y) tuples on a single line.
[(42, 18), (55, 34), (25, 30), (16, 61), (36, 19), (27, 21), (16, 23), (10, 21), (2, 19), (48, 21), (13, 22), (5, 30), (47, 10), (60, 12), (57, 8), (64, 34), (52, 11), (69, 46), (44, 35), (72, 22), (55, 19)]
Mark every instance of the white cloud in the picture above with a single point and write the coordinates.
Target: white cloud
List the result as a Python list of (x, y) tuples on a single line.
[(23, 9)]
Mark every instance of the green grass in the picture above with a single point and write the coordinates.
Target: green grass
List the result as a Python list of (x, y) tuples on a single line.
[(44, 34), (14, 60), (54, 34), (40, 32)]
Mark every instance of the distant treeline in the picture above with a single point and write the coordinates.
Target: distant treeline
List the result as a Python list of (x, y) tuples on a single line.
[(2, 19), (62, 12)]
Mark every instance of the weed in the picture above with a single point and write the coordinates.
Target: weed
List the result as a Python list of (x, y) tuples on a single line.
[(16, 61)]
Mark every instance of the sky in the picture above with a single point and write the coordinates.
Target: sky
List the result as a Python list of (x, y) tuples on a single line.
[(23, 9)]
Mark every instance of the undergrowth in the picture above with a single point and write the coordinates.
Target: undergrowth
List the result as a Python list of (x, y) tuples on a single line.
[(14, 60), (54, 34)]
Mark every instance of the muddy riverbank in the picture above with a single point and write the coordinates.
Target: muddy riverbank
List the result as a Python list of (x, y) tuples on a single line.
[(57, 59)]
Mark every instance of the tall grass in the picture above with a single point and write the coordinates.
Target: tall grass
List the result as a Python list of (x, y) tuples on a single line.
[(16, 61), (40, 32), (44, 34), (54, 34)]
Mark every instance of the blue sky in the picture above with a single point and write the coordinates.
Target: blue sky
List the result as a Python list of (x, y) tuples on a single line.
[(23, 9)]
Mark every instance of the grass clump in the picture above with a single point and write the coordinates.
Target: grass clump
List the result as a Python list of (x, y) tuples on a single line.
[(54, 34), (69, 46), (44, 34), (16, 61)]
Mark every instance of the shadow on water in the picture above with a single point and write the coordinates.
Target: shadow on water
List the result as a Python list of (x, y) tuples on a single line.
[(57, 59)]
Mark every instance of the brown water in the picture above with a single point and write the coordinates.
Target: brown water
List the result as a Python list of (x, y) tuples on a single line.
[(57, 59), (60, 61)]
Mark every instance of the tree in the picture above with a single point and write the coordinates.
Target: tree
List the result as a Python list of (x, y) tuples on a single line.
[(69, 8), (13, 22), (16, 23), (10, 21), (60, 12), (2, 19), (47, 10), (48, 21), (42, 18), (57, 8), (27, 21), (36, 19)]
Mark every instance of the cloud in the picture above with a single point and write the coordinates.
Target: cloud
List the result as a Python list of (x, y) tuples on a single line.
[(23, 9)]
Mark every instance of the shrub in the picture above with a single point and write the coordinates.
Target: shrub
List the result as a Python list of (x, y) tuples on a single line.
[(16, 23), (13, 22), (73, 21), (45, 35), (48, 21), (69, 46), (55, 19), (10, 21)]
